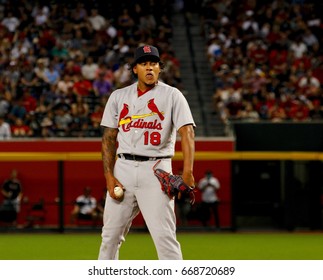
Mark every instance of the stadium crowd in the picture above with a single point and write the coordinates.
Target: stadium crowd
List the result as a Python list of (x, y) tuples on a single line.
[(60, 61), (266, 58)]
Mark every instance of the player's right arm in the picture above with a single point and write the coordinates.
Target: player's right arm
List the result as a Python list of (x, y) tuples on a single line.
[(108, 151)]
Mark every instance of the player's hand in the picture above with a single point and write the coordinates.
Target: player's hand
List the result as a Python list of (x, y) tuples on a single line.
[(111, 183)]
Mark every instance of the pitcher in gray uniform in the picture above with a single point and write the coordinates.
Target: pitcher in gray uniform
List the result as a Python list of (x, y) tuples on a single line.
[(141, 122)]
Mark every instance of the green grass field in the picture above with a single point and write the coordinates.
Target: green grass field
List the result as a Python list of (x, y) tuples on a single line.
[(139, 246)]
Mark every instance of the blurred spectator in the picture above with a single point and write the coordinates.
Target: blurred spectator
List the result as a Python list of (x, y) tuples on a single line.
[(81, 86), (102, 86), (29, 101), (51, 75), (257, 53), (47, 125), (107, 72), (249, 113), (122, 76), (84, 207), (299, 110), (62, 121), (5, 130), (12, 192), (277, 113), (97, 21), (64, 84), (298, 48), (209, 186), (249, 26), (5, 103), (40, 70), (32, 121), (20, 129), (316, 111), (30, 80), (309, 84), (40, 14), (214, 50), (59, 50), (311, 40), (125, 21), (89, 69), (80, 115), (71, 68), (79, 14), (18, 110), (10, 21)]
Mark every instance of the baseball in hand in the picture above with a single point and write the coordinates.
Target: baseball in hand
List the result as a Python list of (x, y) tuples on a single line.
[(118, 192)]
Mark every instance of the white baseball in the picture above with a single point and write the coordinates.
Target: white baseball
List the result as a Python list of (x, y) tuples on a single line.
[(118, 191)]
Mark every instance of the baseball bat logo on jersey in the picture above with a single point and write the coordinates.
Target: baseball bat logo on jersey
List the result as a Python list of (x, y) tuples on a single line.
[(130, 121)]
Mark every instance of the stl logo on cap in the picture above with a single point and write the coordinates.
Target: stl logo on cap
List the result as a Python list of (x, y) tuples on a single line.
[(146, 49)]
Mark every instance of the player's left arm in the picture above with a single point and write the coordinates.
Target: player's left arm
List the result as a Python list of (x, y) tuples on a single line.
[(187, 135)]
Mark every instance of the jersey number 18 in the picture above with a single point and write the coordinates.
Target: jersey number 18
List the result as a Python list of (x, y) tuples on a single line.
[(152, 138)]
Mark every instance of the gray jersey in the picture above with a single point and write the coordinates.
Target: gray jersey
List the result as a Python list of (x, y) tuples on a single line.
[(147, 124)]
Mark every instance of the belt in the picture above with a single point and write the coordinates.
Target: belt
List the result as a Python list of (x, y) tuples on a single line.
[(139, 158)]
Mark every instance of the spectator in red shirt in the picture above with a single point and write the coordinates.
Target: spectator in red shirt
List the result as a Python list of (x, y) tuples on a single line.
[(308, 84), (29, 102), (20, 129), (257, 53), (299, 111), (82, 86), (71, 68), (278, 62), (304, 62), (277, 113)]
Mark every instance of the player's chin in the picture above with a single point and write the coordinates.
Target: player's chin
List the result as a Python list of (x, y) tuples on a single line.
[(150, 83)]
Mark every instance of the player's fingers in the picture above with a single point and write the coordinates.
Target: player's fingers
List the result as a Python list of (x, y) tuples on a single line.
[(118, 184)]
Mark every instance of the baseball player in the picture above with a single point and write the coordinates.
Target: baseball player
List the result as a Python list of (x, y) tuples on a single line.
[(140, 123)]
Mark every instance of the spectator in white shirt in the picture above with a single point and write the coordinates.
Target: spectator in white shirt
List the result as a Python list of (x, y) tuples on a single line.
[(89, 69), (10, 22), (5, 131), (209, 185), (97, 21)]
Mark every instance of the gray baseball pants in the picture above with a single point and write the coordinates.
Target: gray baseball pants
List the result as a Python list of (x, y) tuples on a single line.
[(143, 193)]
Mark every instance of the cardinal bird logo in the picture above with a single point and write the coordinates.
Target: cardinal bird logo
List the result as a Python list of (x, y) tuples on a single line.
[(154, 109), (124, 112)]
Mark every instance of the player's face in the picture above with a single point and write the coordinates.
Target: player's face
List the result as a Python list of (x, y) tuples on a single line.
[(148, 72)]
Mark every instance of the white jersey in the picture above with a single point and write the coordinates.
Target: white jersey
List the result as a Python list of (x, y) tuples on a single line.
[(147, 124)]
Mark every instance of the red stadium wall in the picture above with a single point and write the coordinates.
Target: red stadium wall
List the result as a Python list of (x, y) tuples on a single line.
[(40, 178)]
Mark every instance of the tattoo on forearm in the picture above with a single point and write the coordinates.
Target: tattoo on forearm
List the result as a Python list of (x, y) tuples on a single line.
[(109, 149)]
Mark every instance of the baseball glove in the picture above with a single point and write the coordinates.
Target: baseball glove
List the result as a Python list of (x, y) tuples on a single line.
[(173, 185)]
